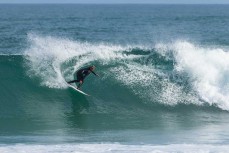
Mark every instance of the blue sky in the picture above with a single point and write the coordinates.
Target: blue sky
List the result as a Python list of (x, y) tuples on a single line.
[(121, 1)]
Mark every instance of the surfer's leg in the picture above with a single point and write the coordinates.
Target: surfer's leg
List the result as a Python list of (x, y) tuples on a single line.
[(80, 84), (73, 81), (78, 76), (80, 79)]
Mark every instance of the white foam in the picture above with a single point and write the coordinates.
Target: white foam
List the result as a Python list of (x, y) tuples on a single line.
[(46, 54), (208, 69), (143, 80), (113, 148)]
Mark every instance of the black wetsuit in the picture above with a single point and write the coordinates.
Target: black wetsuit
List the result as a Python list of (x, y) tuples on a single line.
[(81, 74)]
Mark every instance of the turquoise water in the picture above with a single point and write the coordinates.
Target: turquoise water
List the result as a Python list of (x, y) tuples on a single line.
[(163, 86)]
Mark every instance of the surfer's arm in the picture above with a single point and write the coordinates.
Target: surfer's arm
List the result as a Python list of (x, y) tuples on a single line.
[(95, 73)]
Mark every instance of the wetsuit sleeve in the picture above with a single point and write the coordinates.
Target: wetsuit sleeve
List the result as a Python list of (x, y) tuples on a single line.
[(94, 73)]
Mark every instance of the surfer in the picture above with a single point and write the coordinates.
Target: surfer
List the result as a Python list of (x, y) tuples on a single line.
[(81, 75)]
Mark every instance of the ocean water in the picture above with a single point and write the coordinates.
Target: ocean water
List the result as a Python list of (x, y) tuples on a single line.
[(164, 84)]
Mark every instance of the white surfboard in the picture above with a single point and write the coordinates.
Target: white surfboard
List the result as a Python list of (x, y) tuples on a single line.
[(73, 87)]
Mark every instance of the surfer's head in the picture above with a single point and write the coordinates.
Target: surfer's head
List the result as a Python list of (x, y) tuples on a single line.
[(92, 68)]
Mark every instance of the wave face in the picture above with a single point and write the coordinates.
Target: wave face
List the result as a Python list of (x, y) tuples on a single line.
[(165, 74)]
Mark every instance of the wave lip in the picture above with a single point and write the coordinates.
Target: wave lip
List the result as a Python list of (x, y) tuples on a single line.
[(207, 68)]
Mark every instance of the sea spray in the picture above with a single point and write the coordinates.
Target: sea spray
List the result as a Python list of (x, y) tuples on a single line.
[(46, 55), (200, 73), (207, 69)]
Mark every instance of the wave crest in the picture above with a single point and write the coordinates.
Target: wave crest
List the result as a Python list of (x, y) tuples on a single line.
[(173, 73)]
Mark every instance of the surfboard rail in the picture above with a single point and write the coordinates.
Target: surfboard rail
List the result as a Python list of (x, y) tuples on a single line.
[(73, 87)]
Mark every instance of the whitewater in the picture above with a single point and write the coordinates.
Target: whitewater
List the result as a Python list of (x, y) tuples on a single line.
[(203, 70)]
